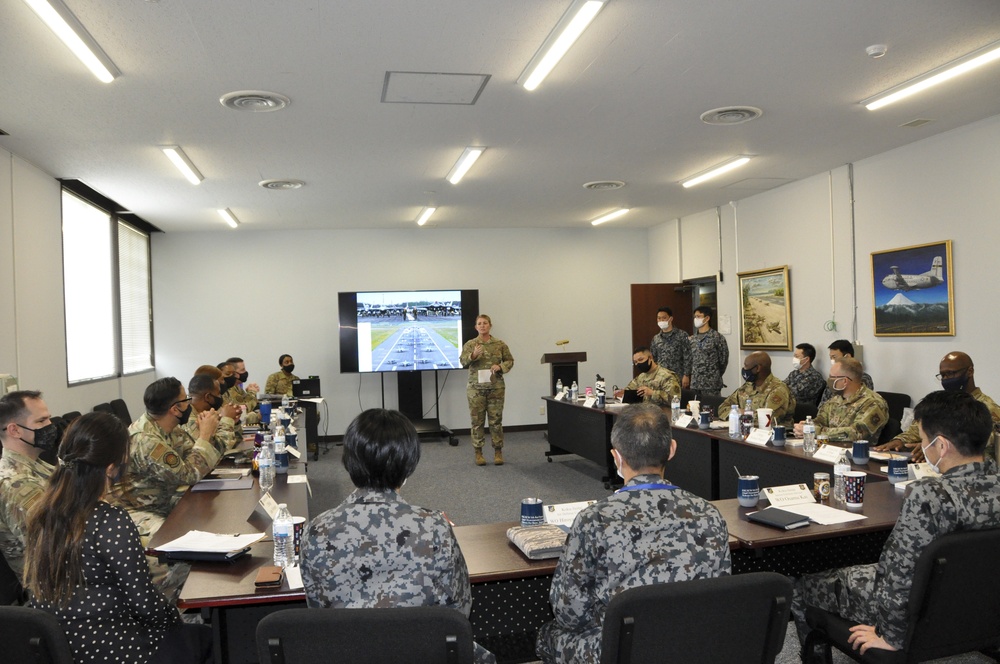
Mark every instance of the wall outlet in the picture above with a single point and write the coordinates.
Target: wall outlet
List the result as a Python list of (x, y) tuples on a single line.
[(541, 410)]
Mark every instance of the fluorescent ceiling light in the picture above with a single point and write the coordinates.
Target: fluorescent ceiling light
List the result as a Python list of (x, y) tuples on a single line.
[(563, 36), (464, 163), (424, 215), (716, 171), (65, 25), (183, 163), (943, 73), (609, 216), (229, 217)]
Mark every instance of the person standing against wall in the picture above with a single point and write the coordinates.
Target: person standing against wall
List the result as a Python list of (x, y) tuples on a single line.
[(488, 359), (709, 356)]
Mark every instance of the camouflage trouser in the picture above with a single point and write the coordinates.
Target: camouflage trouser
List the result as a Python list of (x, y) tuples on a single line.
[(849, 592), (483, 403), (556, 644)]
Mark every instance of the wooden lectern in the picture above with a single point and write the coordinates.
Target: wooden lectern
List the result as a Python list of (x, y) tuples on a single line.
[(563, 366)]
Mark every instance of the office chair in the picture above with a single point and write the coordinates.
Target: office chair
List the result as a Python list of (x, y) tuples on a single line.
[(11, 591), (70, 416), (727, 619), (954, 605), (32, 635), (413, 635), (804, 409), (120, 409), (896, 401), (104, 408), (712, 403), (890, 431)]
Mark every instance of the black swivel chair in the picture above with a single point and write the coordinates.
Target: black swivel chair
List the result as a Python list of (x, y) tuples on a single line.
[(896, 401), (804, 409), (11, 591), (105, 408), (738, 618), (954, 605), (417, 635), (70, 416), (32, 635), (889, 431), (120, 408)]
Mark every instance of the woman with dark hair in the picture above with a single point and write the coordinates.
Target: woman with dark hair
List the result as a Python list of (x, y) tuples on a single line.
[(375, 550), (85, 563)]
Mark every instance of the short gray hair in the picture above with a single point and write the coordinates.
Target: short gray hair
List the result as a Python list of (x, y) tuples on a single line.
[(642, 436)]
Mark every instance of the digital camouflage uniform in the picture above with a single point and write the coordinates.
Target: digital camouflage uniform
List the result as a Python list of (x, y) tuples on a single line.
[(240, 397), (866, 380), (22, 482), (629, 539), (280, 383), (672, 350), (709, 357), (375, 550), (911, 437), (772, 394), (806, 386), (861, 417), (966, 497), (486, 398), (160, 469), (664, 383)]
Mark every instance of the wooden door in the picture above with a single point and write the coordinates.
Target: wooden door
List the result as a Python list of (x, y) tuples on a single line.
[(647, 298)]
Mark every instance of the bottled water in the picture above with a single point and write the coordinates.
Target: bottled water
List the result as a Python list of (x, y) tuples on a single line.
[(559, 387), (280, 455), (809, 436), (574, 391), (746, 420), (284, 543), (284, 404), (842, 466), (265, 463), (734, 421), (675, 408)]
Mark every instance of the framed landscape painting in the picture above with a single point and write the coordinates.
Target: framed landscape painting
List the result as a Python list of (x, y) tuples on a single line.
[(912, 291), (765, 309)]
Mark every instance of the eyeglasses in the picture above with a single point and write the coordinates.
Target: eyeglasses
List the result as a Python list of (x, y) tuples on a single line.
[(950, 374), (181, 401)]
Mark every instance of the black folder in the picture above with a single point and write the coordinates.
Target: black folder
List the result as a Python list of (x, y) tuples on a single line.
[(778, 518)]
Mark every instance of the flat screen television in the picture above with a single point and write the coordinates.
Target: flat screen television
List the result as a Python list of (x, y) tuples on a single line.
[(405, 330)]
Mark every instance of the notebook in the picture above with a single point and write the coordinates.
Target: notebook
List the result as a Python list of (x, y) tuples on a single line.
[(779, 518)]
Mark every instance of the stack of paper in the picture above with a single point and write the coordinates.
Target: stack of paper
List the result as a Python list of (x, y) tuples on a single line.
[(203, 542)]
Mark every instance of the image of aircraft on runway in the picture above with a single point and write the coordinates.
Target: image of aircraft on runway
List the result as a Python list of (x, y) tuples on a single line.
[(413, 335)]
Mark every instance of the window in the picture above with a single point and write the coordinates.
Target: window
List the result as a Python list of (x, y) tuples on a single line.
[(106, 293)]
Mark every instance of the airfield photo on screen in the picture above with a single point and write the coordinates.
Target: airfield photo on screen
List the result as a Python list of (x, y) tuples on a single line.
[(409, 330)]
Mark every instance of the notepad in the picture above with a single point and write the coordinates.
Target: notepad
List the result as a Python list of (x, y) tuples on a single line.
[(779, 518)]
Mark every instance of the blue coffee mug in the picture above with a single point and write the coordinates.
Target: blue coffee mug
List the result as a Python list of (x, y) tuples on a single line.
[(706, 418), (859, 453), (748, 490), (779, 436), (898, 469), (531, 512), (265, 412)]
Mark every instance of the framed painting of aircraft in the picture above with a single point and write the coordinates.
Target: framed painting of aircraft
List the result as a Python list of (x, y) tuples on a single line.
[(912, 289)]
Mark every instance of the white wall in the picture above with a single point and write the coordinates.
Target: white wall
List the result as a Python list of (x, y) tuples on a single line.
[(31, 294), (538, 286), (944, 187)]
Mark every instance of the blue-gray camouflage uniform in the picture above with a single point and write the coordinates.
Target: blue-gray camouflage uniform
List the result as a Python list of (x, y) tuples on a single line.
[(486, 398), (672, 350), (709, 358), (630, 539), (22, 482), (375, 550), (806, 384), (966, 497)]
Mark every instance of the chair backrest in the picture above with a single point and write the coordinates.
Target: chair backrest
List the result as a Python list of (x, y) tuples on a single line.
[(120, 408), (11, 591), (954, 603), (421, 635), (32, 635), (738, 618), (804, 409), (687, 394), (104, 408), (70, 416), (890, 431), (896, 401)]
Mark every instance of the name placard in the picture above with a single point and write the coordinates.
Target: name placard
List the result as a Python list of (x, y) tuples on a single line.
[(683, 421), (759, 436), (791, 494), (829, 453), (271, 507)]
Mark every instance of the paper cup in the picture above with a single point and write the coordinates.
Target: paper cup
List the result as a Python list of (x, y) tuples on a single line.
[(764, 418), (298, 527), (694, 407), (854, 488)]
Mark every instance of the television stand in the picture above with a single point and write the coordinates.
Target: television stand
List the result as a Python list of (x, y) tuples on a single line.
[(409, 385)]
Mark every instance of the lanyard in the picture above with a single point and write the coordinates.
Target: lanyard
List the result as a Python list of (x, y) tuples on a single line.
[(643, 487)]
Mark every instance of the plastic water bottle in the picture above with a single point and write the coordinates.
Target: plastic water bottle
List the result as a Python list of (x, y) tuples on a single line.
[(734, 421), (284, 542), (574, 391), (842, 466), (809, 436), (559, 387), (746, 420), (675, 408), (280, 455), (265, 463), (284, 404)]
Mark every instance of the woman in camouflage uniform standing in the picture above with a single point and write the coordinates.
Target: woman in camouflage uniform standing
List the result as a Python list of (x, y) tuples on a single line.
[(486, 394)]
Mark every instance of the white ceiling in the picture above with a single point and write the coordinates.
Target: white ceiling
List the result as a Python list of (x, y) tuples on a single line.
[(624, 104)]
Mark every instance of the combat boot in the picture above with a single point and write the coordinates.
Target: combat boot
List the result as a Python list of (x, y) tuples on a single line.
[(497, 456), (480, 461)]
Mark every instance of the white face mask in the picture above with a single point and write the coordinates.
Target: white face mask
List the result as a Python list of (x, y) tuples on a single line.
[(934, 466), (698, 323), (663, 324), (618, 466), (796, 363)]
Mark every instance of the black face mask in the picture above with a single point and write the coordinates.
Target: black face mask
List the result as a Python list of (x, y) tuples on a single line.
[(748, 375), (185, 416), (643, 366), (243, 376), (955, 383), (46, 437), (228, 382), (288, 369), (213, 401)]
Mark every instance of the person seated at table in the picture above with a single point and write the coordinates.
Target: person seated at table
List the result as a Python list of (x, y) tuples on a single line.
[(205, 397), (655, 384), (855, 412), (839, 349), (375, 550), (243, 393), (647, 532), (805, 382), (280, 382), (163, 455), (956, 373), (763, 389), (85, 562), (954, 428)]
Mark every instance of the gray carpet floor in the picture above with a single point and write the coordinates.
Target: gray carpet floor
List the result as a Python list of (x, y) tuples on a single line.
[(447, 479)]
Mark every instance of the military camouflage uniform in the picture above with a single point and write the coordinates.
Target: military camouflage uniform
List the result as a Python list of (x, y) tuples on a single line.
[(22, 482), (486, 398), (629, 539), (772, 394), (240, 397), (911, 437), (663, 382), (280, 383), (375, 550), (160, 469), (866, 380), (861, 417), (709, 357), (966, 497), (224, 439), (672, 350), (806, 385)]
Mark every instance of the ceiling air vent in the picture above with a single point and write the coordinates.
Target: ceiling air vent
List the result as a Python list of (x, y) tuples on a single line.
[(731, 115), (254, 101), (919, 122), (604, 185), (281, 185)]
